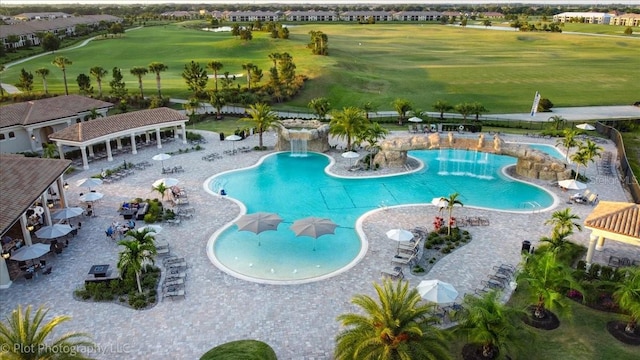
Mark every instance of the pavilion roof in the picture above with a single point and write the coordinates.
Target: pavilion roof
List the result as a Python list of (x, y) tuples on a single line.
[(616, 217)]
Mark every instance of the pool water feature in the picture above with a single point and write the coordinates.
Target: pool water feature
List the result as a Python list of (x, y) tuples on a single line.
[(295, 187)]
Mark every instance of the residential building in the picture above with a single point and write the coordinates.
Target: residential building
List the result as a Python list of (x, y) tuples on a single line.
[(626, 20), (583, 17)]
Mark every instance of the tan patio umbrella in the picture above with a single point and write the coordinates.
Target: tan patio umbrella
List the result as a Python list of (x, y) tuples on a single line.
[(258, 222), (313, 227)]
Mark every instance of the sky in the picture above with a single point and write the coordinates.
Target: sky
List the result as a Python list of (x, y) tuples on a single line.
[(308, 2)]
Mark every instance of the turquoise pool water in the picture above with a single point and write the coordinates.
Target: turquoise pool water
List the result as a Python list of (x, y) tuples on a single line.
[(297, 187)]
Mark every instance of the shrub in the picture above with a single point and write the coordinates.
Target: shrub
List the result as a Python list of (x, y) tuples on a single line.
[(594, 271), (582, 265)]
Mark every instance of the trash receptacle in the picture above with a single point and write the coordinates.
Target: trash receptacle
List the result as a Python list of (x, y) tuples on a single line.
[(221, 136), (526, 246)]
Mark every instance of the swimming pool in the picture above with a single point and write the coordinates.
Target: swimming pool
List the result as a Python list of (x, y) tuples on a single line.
[(297, 187), (548, 149)]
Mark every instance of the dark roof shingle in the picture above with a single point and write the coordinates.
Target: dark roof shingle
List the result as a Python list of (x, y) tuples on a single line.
[(37, 111)]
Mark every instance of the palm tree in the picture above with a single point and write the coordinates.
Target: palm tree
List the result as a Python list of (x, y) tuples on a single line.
[(558, 240), (451, 201), (215, 66), (1, 89), (401, 106), (49, 151), (464, 109), (398, 326), (580, 159), (98, 73), (627, 295), (134, 255), (274, 57), (191, 107), (44, 72), (591, 150), (92, 115), (144, 236), (248, 67), (139, 72), (218, 101), (487, 321), (368, 107), (477, 109), (25, 337), (161, 188), (545, 276), (557, 121), (62, 62), (348, 123), (569, 141), (372, 135), (320, 106), (156, 68), (263, 118), (564, 221)]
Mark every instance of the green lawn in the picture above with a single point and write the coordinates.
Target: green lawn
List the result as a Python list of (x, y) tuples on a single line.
[(378, 63)]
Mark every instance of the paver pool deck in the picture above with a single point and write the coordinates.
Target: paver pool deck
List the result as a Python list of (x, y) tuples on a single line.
[(298, 321)]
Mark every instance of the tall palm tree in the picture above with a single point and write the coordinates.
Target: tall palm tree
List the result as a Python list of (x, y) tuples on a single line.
[(134, 256), (139, 72), (44, 72), (1, 89), (62, 62), (348, 123), (627, 295), (487, 321), (451, 201), (396, 326), (558, 240), (580, 159), (144, 236), (569, 141), (218, 101), (591, 150), (98, 73), (564, 221), (23, 336), (248, 67), (156, 68), (215, 66), (263, 118), (372, 134), (545, 276), (401, 106), (274, 57)]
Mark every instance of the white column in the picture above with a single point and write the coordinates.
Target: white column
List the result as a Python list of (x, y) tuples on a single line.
[(91, 151), (184, 133), (26, 235), (108, 146), (60, 151), (591, 248), (146, 137), (158, 138), (134, 149), (85, 161), (5, 280), (45, 205), (62, 192), (600, 243), (175, 132), (119, 143)]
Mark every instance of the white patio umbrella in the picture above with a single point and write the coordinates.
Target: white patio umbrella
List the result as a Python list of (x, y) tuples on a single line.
[(572, 184), (439, 202), (161, 157), (399, 235), (415, 119), (233, 139), (91, 197), (53, 231), (585, 126), (258, 222), (350, 155), (437, 291), (168, 182), (89, 182), (313, 227), (30, 252), (67, 213)]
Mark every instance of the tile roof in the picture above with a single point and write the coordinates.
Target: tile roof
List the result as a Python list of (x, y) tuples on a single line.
[(616, 217), (22, 181), (89, 130), (37, 111)]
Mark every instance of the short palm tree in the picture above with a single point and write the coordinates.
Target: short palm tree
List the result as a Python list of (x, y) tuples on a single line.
[(218, 101), (451, 201), (397, 326), (348, 123), (580, 159), (627, 295), (263, 118), (441, 106), (564, 221), (368, 107), (485, 320), (191, 107), (558, 240), (591, 150), (62, 62), (49, 151), (372, 134), (569, 141), (144, 236), (23, 336), (557, 121), (161, 188), (134, 256), (156, 68), (401, 106), (320, 106)]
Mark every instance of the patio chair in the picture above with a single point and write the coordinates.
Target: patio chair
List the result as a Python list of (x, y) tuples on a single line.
[(175, 274), (173, 282), (394, 274), (173, 259), (175, 294), (592, 199), (614, 261), (177, 265), (402, 260), (47, 271)]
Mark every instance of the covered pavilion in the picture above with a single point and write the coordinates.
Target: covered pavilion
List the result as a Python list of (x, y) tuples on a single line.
[(116, 127), (617, 221), (23, 182)]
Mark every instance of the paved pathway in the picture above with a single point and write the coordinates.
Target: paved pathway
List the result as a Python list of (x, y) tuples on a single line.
[(298, 321)]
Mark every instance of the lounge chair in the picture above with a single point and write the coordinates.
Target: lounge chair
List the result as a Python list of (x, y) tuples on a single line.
[(173, 282), (402, 260), (177, 265), (592, 199), (177, 274), (175, 294), (614, 261), (173, 259), (394, 274)]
